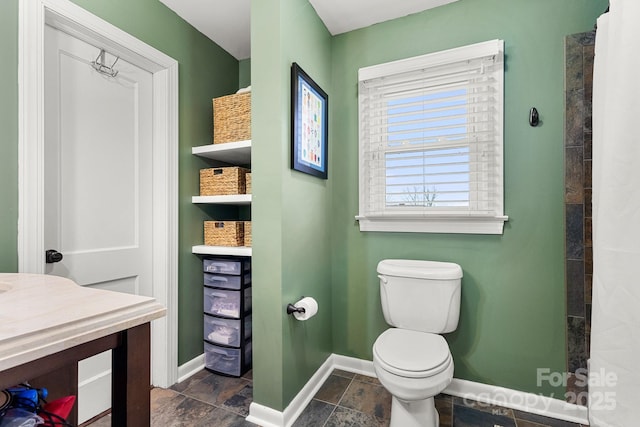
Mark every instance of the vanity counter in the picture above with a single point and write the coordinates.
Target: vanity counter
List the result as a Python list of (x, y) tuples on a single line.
[(49, 323), (43, 314)]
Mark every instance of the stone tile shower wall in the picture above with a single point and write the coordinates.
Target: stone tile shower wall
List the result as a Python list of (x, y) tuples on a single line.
[(579, 53)]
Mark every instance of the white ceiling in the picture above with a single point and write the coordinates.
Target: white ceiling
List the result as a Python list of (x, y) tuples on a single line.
[(228, 23), (341, 16)]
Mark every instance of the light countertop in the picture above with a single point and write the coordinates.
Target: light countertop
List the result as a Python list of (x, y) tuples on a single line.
[(43, 314)]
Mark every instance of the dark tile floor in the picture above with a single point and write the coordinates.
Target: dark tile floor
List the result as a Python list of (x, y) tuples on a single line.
[(344, 400)]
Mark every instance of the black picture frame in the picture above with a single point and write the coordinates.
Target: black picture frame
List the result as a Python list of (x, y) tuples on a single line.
[(309, 124)]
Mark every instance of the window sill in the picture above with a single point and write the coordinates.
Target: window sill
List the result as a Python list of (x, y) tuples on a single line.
[(454, 225)]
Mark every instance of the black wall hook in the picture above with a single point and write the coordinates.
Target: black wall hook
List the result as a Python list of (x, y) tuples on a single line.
[(534, 117)]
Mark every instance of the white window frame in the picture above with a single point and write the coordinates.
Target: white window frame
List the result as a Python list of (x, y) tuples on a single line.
[(431, 220)]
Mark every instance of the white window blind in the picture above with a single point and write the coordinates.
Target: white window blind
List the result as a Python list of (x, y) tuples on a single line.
[(431, 142)]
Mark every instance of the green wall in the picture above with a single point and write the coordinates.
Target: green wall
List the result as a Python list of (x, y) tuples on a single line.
[(513, 307), (291, 210), (244, 72), (9, 136), (206, 71), (513, 301), (306, 241)]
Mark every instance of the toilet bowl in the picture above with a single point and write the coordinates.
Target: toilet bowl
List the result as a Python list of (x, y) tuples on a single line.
[(420, 299), (414, 367)]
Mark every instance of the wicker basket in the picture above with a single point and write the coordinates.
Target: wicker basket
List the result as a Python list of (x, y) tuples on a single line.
[(222, 181), (247, 233), (224, 233), (232, 118), (248, 183)]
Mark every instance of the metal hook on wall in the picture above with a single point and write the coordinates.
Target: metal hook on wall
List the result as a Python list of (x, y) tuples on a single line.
[(100, 66), (534, 117)]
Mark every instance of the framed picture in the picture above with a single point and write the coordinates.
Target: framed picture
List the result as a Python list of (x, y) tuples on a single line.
[(309, 124)]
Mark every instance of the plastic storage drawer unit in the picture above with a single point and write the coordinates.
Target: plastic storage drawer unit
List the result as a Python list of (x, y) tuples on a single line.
[(226, 331), (226, 281), (234, 266), (227, 361), (221, 302)]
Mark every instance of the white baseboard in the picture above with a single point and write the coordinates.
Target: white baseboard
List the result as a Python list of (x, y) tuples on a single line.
[(264, 416), (484, 393), (351, 364), (268, 417), (519, 400), (190, 368)]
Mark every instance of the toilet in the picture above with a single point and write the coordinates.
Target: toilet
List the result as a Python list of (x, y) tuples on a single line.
[(420, 300)]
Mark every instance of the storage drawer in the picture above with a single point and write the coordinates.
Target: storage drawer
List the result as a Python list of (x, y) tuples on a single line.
[(226, 331), (227, 361), (226, 281), (221, 302), (235, 266)]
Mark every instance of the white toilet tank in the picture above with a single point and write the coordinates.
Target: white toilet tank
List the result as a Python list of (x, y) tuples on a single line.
[(420, 295)]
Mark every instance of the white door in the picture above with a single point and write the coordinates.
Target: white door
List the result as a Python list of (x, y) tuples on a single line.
[(98, 182)]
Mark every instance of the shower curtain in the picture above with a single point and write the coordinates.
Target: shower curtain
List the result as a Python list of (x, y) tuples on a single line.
[(614, 371)]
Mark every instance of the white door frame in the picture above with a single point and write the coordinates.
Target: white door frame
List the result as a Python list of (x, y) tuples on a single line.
[(68, 17)]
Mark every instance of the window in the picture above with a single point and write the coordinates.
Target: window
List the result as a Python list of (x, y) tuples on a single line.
[(431, 142)]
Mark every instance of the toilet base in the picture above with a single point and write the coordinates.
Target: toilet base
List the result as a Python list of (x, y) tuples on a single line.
[(417, 413)]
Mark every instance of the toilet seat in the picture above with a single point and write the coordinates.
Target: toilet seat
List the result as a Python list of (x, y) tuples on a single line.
[(411, 354)]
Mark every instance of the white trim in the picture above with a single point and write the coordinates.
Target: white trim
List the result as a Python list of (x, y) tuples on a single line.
[(485, 393), (519, 400), (304, 396), (267, 417), (190, 368), (478, 50), (30, 138), (454, 225), (264, 416), (352, 364), (371, 178), (34, 15)]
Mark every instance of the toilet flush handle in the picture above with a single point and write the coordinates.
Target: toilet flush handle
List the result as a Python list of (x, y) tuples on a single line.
[(382, 279)]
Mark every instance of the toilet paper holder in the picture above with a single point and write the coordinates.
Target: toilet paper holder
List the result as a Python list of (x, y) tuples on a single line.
[(304, 309), (293, 309)]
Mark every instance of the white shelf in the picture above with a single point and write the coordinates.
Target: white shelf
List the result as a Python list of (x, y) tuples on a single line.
[(221, 250), (237, 153), (234, 199)]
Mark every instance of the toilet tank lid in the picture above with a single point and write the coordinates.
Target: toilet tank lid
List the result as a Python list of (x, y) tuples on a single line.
[(419, 269)]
